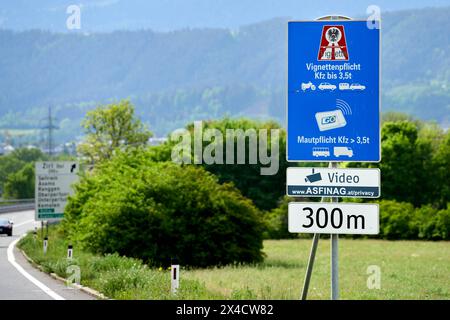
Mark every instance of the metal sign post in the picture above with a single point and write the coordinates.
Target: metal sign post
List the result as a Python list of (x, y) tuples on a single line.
[(334, 257), (334, 267), (312, 257)]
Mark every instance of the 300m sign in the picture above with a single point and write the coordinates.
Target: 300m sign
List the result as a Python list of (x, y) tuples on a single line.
[(333, 218)]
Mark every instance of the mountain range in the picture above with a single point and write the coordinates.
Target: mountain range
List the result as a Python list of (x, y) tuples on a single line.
[(174, 77)]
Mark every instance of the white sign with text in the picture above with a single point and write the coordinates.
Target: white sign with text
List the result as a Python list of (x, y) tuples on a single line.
[(54, 180), (333, 218)]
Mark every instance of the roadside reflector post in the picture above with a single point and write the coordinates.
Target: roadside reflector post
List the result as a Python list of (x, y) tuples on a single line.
[(34, 234), (45, 245), (175, 276), (69, 252)]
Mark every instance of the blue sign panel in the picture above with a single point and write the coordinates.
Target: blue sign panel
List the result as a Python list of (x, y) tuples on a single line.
[(333, 111)]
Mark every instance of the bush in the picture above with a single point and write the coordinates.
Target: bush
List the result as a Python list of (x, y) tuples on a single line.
[(400, 220), (397, 220), (157, 211), (277, 222), (433, 224), (20, 184), (264, 188)]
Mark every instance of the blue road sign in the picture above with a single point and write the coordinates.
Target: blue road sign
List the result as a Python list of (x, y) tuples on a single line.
[(333, 109)]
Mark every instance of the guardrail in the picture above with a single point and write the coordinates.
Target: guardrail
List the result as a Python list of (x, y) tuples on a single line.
[(16, 205)]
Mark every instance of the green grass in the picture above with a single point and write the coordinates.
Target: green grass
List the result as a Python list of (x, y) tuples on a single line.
[(114, 276), (409, 270)]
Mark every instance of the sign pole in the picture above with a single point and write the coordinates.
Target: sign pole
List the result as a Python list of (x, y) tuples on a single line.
[(334, 256), (334, 268), (312, 255), (317, 81)]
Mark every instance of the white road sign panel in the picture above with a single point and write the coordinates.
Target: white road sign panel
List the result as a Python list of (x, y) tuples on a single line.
[(333, 218), (333, 182), (54, 182)]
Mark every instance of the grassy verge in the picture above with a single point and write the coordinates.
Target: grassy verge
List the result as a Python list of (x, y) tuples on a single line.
[(409, 270), (114, 276)]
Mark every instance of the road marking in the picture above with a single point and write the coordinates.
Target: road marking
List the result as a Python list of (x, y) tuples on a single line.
[(22, 223), (19, 268)]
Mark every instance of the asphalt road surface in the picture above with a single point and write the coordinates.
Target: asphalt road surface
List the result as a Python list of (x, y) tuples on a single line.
[(21, 281)]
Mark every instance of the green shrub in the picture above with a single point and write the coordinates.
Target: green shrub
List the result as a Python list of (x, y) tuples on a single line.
[(400, 220), (277, 222), (397, 220), (156, 211), (112, 262), (442, 226), (433, 224)]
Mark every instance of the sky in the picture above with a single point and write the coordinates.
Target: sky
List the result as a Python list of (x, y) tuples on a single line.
[(167, 15)]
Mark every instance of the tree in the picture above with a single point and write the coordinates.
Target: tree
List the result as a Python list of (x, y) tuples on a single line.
[(263, 183), (414, 163), (442, 164), (29, 155), (12, 169), (111, 127), (277, 221), (156, 211), (400, 162), (8, 165), (20, 184)]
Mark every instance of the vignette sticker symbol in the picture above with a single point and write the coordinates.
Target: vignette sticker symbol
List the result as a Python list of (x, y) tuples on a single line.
[(333, 45)]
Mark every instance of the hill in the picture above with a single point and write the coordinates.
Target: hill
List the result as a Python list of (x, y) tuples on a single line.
[(169, 15), (179, 76)]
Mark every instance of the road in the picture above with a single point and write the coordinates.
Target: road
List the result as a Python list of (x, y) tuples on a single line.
[(18, 279)]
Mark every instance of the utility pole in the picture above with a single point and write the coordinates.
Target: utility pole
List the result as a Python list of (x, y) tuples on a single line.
[(50, 127)]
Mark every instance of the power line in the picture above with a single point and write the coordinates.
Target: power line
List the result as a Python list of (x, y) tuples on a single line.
[(50, 126)]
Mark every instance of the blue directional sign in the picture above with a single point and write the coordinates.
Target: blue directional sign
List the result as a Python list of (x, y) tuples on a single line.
[(333, 110)]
